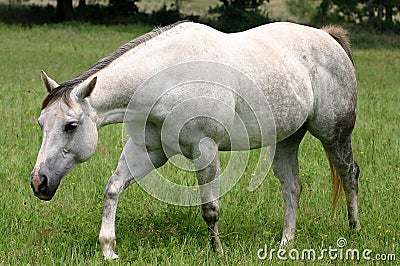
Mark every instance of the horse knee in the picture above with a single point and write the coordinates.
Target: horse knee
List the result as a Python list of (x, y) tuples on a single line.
[(210, 212), (113, 189)]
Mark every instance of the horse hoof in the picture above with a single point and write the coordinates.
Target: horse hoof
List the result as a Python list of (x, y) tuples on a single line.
[(111, 256), (285, 241)]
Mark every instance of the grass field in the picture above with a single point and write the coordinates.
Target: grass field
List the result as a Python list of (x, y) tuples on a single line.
[(64, 231)]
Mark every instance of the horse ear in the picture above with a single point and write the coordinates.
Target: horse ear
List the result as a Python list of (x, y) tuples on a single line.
[(87, 90), (48, 83)]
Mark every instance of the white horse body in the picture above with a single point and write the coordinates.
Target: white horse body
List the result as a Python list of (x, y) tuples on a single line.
[(302, 74), (260, 53)]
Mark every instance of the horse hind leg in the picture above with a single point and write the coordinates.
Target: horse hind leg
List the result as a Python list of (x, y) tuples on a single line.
[(332, 122), (341, 155), (286, 168), (335, 136)]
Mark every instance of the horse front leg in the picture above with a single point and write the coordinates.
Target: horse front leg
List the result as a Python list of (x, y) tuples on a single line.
[(140, 164), (114, 188), (207, 166)]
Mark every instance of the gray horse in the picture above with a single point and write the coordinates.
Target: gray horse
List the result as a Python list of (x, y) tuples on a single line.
[(305, 75)]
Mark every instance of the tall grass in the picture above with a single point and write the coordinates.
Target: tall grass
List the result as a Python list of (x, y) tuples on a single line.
[(64, 231)]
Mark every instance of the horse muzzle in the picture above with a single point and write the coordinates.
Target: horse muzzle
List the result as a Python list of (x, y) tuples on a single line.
[(41, 186)]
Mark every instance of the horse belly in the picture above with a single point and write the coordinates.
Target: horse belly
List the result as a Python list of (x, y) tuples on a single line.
[(273, 111), (254, 131)]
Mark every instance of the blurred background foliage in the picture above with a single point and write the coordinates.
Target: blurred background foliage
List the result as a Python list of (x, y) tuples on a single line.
[(362, 16)]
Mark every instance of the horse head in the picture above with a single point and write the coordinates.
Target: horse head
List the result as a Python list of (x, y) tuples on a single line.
[(69, 133)]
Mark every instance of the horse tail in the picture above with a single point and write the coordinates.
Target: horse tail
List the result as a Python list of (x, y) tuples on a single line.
[(340, 35), (337, 185)]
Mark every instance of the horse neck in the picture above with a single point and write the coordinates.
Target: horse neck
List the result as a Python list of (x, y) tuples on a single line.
[(117, 83)]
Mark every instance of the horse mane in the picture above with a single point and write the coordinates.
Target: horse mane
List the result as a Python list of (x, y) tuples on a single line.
[(341, 36), (64, 90)]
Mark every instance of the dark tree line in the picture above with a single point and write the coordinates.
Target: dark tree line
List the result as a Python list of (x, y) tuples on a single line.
[(376, 12), (65, 11), (382, 9), (237, 15), (232, 15), (65, 8)]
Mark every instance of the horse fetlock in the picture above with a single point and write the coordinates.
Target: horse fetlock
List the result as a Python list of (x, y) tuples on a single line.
[(210, 212), (285, 240), (288, 234), (107, 241), (355, 225), (108, 244)]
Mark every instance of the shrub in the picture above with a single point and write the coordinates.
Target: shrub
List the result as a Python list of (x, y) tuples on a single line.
[(238, 15)]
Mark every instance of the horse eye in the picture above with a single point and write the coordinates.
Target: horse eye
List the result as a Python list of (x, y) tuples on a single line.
[(71, 126)]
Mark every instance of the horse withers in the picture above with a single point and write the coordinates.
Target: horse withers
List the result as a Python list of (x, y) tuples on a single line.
[(303, 77)]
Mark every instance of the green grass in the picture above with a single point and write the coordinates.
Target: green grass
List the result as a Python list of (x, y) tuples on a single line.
[(64, 231)]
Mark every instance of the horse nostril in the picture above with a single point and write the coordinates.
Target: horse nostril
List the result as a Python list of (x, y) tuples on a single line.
[(43, 179), (43, 183)]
